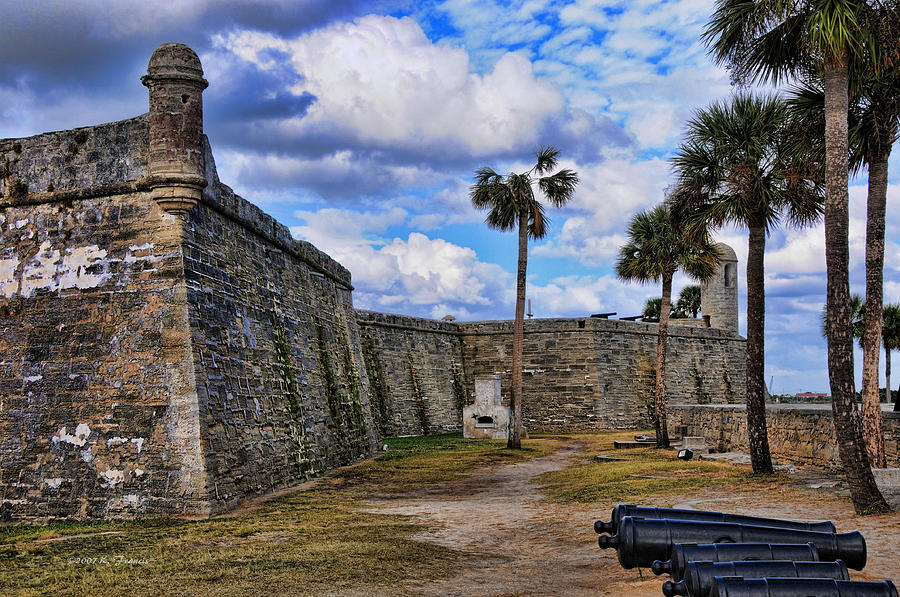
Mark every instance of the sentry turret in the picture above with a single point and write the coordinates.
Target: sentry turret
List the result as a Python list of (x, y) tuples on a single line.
[(176, 163)]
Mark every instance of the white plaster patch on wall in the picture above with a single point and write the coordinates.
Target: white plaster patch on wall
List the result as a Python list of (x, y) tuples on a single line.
[(33, 378), (138, 442), (73, 273), (9, 283), (82, 431), (54, 483), (48, 270), (112, 477), (140, 253), (21, 223), (87, 456)]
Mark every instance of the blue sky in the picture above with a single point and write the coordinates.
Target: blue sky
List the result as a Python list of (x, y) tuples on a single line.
[(360, 124)]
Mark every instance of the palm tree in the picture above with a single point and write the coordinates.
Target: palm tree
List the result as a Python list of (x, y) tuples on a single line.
[(891, 335), (775, 39), (874, 120), (733, 168), (652, 308), (512, 204), (655, 250), (689, 301)]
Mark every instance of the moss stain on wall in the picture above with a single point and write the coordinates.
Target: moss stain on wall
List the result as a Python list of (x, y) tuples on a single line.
[(305, 465), (377, 386), (356, 421), (418, 398), (459, 391)]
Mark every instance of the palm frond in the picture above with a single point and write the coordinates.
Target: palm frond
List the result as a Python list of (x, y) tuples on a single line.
[(546, 159), (559, 188)]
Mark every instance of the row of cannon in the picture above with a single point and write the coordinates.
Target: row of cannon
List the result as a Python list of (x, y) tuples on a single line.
[(713, 554)]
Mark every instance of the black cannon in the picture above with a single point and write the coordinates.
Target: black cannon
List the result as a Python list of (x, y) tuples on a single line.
[(699, 577), (800, 587), (640, 542), (682, 553), (623, 510)]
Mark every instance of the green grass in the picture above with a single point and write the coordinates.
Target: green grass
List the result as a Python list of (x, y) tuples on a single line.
[(413, 462), (305, 543), (642, 474)]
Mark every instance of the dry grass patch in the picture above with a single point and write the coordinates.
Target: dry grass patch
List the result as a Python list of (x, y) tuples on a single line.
[(641, 474)]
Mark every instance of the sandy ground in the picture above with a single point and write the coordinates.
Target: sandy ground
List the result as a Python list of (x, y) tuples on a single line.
[(525, 546)]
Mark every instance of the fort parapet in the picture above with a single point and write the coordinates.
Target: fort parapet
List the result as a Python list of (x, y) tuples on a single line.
[(168, 348)]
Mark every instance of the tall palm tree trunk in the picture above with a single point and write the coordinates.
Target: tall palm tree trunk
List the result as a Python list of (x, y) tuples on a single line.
[(515, 432), (871, 401), (887, 376), (661, 423), (757, 432), (848, 425)]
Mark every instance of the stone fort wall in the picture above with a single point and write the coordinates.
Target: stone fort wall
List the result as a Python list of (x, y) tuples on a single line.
[(581, 374), (592, 373), (156, 363)]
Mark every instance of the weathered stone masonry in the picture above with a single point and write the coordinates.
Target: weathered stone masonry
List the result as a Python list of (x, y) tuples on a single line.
[(157, 363)]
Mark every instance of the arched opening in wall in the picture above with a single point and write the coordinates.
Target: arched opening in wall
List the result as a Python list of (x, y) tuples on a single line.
[(729, 275), (484, 421)]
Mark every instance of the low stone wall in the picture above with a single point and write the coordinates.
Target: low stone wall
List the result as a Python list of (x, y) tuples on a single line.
[(799, 434), (416, 377)]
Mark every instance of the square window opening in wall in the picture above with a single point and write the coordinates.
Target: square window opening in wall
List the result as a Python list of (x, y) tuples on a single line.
[(580, 324)]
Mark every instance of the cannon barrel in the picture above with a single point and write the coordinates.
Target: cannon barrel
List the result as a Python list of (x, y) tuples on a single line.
[(682, 553), (699, 577), (640, 542), (623, 510), (800, 587)]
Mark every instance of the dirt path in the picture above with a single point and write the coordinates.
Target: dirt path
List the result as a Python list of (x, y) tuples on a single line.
[(523, 546)]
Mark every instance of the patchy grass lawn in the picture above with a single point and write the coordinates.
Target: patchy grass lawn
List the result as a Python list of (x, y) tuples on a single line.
[(308, 542), (641, 474), (322, 540)]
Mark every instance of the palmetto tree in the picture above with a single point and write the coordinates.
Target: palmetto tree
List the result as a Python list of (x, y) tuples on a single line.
[(657, 247), (777, 39), (689, 301), (891, 336), (652, 308), (512, 204), (874, 120), (733, 168)]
